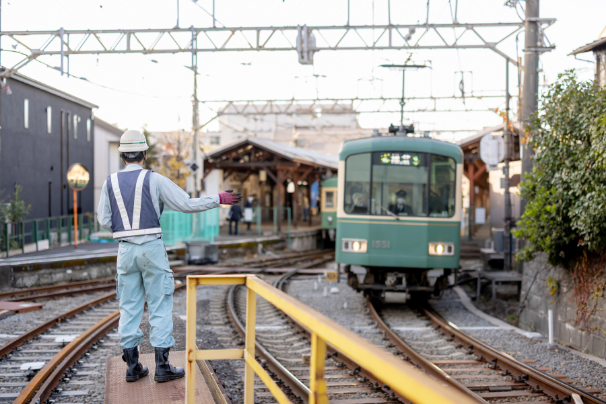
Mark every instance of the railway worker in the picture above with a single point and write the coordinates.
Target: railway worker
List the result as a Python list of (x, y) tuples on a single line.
[(131, 203), (400, 206)]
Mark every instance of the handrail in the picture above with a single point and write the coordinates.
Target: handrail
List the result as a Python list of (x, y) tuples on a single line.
[(401, 377)]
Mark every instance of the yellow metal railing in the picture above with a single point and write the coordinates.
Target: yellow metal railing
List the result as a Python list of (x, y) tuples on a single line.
[(397, 374)]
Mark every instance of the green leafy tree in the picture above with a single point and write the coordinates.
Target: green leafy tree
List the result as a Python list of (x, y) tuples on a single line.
[(15, 210), (566, 192), (151, 161)]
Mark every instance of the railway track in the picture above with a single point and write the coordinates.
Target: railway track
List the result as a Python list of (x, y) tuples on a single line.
[(53, 291), (484, 373), (46, 359), (453, 357), (74, 333), (283, 345)]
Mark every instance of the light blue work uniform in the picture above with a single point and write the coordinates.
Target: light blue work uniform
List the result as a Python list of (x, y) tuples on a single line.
[(130, 206)]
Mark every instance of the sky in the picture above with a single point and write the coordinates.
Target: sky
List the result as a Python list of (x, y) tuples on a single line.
[(155, 91)]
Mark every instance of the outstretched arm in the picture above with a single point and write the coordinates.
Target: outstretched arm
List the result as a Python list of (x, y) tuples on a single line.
[(177, 199)]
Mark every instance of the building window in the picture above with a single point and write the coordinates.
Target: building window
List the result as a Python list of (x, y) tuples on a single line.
[(49, 114), (88, 130), (215, 140), (76, 120), (26, 113)]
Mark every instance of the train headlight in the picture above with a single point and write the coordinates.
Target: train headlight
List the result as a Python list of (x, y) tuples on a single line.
[(442, 249), (329, 219), (353, 245)]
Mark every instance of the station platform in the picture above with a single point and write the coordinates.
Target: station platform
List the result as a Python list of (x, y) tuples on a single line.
[(146, 390)]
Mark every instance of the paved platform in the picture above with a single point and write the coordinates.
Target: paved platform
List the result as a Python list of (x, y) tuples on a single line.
[(146, 390)]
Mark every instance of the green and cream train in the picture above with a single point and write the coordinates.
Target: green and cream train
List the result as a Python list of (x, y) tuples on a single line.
[(399, 215), (328, 210)]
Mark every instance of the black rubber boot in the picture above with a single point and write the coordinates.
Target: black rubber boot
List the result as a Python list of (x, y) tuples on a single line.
[(164, 371), (134, 369)]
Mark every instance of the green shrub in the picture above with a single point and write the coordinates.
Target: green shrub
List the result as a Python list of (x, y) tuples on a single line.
[(565, 215)]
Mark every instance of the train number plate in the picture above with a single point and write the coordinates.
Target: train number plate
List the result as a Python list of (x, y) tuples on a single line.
[(380, 243)]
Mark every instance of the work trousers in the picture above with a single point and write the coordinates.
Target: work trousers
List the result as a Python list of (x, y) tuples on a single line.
[(143, 271)]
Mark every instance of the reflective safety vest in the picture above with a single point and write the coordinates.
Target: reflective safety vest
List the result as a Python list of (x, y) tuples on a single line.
[(133, 212)]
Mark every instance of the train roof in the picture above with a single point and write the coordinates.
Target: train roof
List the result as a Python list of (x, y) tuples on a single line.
[(401, 143), (331, 182)]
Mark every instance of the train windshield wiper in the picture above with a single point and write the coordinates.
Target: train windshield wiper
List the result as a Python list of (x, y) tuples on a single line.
[(389, 212)]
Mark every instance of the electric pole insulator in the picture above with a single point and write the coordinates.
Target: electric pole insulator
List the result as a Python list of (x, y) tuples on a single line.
[(306, 45)]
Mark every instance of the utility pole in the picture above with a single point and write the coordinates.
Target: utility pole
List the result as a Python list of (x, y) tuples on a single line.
[(531, 80), (195, 117), (507, 135)]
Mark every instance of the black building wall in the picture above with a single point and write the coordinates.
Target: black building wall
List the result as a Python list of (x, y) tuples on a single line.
[(31, 157)]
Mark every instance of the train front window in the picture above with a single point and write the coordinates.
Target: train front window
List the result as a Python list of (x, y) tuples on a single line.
[(357, 184), (399, 184), (442, 192), (329, 200)]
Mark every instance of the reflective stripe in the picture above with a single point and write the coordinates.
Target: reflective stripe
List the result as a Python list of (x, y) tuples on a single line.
[(137, 204), (140, 232), (119, 201)]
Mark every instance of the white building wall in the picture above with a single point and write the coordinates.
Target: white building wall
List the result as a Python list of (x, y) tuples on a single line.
[(107, 158), (311, 128)]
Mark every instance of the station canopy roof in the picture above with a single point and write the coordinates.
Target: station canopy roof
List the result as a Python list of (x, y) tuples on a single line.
[(235, 152)]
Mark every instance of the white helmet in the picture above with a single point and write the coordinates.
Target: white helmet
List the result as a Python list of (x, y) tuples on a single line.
[(132, 141)]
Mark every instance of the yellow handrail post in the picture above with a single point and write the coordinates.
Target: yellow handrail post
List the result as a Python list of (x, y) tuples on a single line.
[(317, 383), (190, 341), (249, 350)]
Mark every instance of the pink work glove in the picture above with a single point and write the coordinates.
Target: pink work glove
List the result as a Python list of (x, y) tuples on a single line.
[(229, 197)]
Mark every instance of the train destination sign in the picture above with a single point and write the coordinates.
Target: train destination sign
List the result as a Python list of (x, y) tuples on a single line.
[(400, 159), (77, 177)]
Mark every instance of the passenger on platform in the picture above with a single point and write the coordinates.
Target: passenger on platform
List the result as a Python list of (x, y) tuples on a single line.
[(305, 208), (248, 212), (400, 207), (234, 216), (131, 204)]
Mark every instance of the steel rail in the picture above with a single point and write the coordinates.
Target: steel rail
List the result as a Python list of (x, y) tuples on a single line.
[(417, 359), (20, 340), (49, 376), (254, 262), (297, 387), (68, 292), (294, 260), (29, 291), (280, 283), (557, 390)]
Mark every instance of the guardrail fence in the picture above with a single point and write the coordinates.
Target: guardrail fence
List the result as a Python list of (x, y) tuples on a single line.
[(45, 233), (397, 374)]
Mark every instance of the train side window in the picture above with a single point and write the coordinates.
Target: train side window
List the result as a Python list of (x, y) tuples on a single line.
[(442, 190), (399, 184), (329, 199), (357, 184)]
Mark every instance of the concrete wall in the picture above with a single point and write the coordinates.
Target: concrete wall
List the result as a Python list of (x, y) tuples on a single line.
[(31, 157), (538, 302)]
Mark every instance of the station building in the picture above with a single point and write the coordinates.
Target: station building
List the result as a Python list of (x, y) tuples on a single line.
[(275, 175), (44, 130)]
